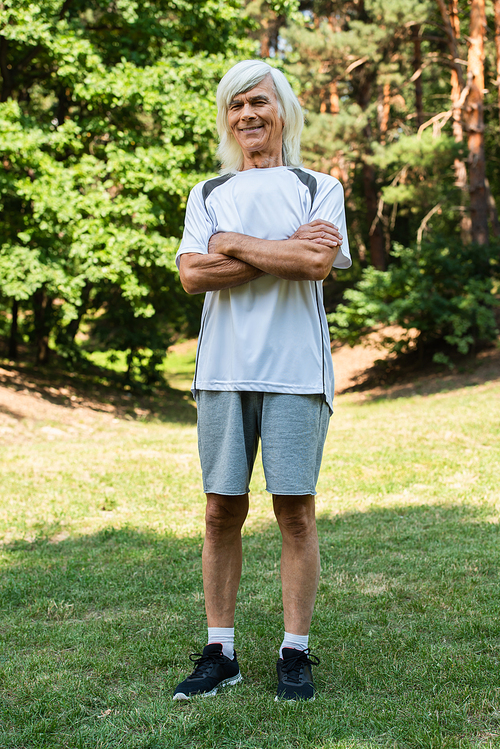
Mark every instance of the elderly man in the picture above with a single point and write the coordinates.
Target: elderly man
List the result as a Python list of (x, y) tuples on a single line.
[(259, 240)]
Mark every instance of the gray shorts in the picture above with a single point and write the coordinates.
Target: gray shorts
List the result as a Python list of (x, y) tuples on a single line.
[(292, 430)]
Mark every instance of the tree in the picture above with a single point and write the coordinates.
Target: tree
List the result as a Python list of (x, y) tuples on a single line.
[(451, 23), (439, 294), (107, 120), (269, 17), (497, 49)]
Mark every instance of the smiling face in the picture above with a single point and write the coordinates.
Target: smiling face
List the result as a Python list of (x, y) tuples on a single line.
[(255, 123)]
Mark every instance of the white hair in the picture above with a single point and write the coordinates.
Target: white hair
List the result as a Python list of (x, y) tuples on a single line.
[(241, 78)]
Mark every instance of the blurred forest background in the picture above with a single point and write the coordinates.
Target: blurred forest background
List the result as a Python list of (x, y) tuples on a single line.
[(107, 120)]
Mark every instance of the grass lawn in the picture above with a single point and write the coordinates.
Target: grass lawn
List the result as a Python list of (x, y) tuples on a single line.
[(101, 594)]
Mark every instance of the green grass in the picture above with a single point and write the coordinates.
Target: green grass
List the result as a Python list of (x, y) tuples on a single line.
[(178, 364), (101, 599)]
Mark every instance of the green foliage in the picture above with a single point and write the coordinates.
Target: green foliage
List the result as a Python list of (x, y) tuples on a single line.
[(415, 165), (443, 292), (107, 119), (102, 138)]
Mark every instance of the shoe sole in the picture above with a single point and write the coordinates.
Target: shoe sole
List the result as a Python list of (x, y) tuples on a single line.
[(226, 683), (296, 699)]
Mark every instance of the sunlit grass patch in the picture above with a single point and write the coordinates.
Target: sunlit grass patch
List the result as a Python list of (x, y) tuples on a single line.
[(114, 360), (179, 365), (101, 590)]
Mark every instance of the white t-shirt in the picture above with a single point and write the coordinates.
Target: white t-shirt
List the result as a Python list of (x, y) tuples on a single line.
[(267, 335)]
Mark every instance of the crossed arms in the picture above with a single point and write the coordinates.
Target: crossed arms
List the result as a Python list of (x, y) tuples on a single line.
[(234, 259)]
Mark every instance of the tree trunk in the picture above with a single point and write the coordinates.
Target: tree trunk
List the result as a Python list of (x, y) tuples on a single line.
[(13, 330), (42, 306), (74, 325), (5, 70), (493, 212), (377, 244), (451, 39), (384, 109), (334, 98), (270, 35), (454, 18), (264, 42), (376, 235), (62, 105), (474, 119), (457, 86), (330, 99), (497, 47), (417, 65)]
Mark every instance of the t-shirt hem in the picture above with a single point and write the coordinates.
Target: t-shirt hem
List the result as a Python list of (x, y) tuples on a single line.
[(259, 387), (263, 387)]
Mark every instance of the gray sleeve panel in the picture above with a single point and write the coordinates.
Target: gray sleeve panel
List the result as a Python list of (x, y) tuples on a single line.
[(308, 180), (212, 184)]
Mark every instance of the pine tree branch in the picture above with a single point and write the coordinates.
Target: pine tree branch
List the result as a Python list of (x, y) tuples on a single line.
[(425, 221)]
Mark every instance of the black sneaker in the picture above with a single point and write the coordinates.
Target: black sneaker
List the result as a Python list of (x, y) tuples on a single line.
[(212, 670), (295, 675)]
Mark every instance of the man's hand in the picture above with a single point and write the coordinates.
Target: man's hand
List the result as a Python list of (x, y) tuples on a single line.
[(289, 259), (319, 231)]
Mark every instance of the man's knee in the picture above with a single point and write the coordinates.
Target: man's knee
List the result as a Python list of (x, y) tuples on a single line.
[(225, 514), (295, 516)]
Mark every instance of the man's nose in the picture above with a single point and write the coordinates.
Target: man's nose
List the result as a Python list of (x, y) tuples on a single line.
[(248, 111)]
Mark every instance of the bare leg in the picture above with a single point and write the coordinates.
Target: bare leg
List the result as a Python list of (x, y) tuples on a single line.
[(300, 564), (222, 556)]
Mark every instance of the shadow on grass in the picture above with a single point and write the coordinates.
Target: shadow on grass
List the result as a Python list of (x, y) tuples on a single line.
[(96, 631), (9, 412), (99, 390)]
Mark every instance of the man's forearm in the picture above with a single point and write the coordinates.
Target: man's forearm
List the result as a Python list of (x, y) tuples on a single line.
[(289, 259), (214, 272)]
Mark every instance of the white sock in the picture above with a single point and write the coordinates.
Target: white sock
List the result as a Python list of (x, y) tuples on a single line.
[(298, 642), (224, 635)]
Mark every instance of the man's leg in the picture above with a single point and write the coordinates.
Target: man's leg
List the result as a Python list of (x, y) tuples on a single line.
[(222, 556), (217, 666), (227, 439), (300, 563), (294, 429), (300, 567)]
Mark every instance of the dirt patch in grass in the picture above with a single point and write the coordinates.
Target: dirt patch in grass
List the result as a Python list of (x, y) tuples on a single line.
[(352, 365), (29, 396), (368, 371)]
